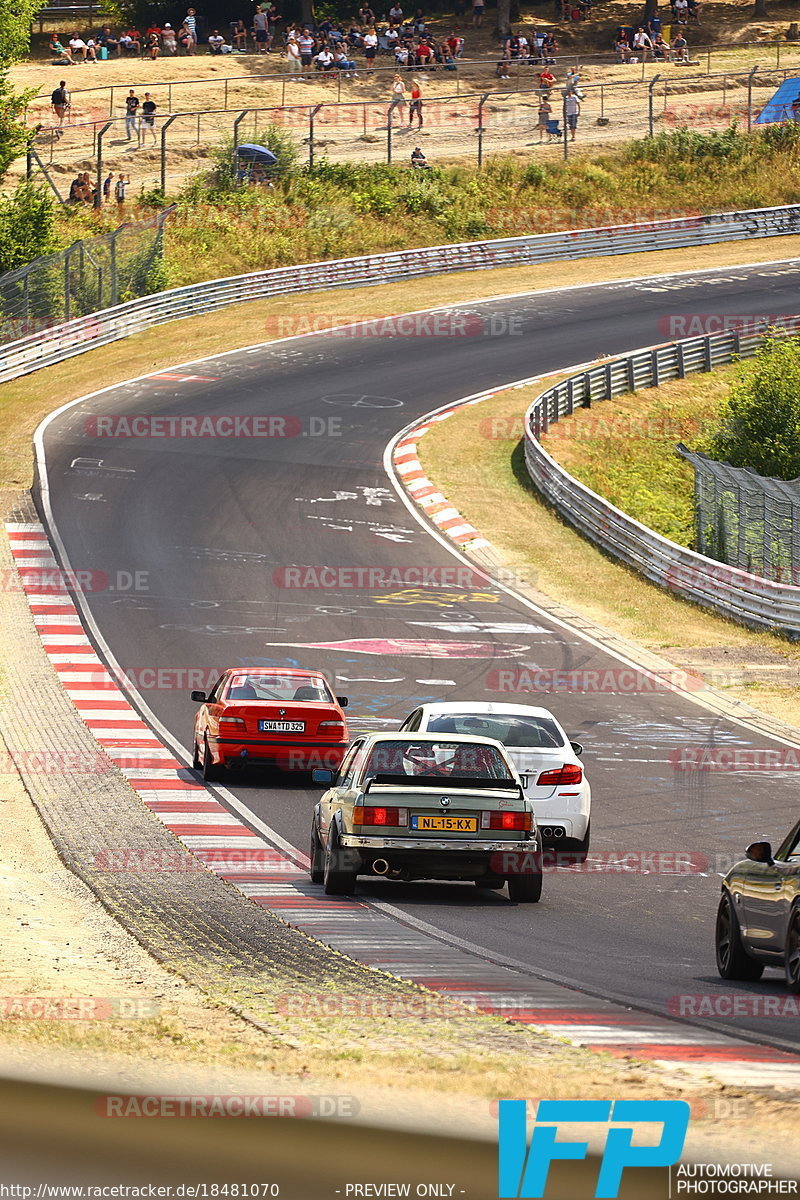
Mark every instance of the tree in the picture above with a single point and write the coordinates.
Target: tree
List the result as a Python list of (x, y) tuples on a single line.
[(15, 28), (760, 9), (759, 425)]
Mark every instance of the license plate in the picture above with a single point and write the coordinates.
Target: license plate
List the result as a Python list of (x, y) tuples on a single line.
[(282, 726), (445, 824)]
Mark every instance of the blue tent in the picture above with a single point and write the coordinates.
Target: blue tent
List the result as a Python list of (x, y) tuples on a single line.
[(780, 106), (250, 152)]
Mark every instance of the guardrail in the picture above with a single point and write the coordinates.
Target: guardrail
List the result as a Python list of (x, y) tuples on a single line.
[(60, 342), (748, 599)]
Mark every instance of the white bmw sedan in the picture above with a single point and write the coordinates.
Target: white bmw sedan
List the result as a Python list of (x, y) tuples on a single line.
[(539, 749)]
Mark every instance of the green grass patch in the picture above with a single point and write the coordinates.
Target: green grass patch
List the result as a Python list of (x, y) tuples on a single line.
[(625, 449)]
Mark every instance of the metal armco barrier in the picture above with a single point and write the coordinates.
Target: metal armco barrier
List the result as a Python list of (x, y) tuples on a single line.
[(61, 342), (749, 599)]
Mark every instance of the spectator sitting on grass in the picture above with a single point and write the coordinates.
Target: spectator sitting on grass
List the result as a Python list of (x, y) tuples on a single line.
[(237, 34), (550, 48), (680, 11), (77, 48), (63, 57), (324, 61), (91, 50), (131, 41), (169, 42), (418, 159), (694, 11)]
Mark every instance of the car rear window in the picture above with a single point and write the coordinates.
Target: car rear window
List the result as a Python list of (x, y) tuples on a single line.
[(249, 685), (510, 729), (436, 760)]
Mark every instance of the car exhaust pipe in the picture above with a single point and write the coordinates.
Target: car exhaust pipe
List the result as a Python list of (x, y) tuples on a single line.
[(380, 866)]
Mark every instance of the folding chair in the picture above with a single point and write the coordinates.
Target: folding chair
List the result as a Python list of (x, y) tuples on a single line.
[(554, 130)]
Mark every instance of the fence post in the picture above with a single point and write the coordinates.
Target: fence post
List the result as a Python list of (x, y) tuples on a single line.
[(111, 101), (98, 196), (481, 103), (67, 305), (603, 100), (236, 125), (750, 98), (164, 129), (389, 125), (113, 263), (653, 83), (29, 161), (311, 114), (564, 119), (226, 93)]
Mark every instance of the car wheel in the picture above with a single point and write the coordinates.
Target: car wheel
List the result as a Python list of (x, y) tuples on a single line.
[(317, 868), (792, 955), (525, 889), (733, 961), (339, 879), (211, 772), (581, 852)]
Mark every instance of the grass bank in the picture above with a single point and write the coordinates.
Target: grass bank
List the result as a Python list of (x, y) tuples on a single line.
[(336, 210)]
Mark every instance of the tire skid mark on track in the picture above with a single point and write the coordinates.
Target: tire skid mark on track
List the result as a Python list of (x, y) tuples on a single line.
[(269, 877)]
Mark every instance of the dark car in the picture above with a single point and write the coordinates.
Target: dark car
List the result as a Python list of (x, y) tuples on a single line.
[(758, 920)]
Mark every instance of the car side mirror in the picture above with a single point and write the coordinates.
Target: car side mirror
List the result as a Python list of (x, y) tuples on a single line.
[(199, 697), (759, 852), (320, 775), (577, 747), (342, 701)]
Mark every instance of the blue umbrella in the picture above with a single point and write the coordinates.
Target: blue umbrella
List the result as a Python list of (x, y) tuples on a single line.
[(250, 152)]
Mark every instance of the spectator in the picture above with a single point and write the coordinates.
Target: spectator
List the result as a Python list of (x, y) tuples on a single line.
[(273, 16), (147, 124), (501, 70), (64, 57), (324, 61), (455, 44), (215, 42), (91, 50), (545, 112), (523, 48), (370, 47), (694, 11), (572, 110), (642, 45), (418, 21), (396, 14), (418, 159), (60, 104), (622, 48), (398, 98), (550, 48), (680, 11), (131, 41), (401, 55), (77, 47), (169, 42), (660, 48), (654, 25), (154, 44), (343, 63), (306, 44), (261, 30), (107, 182), (105, 38), (190, 30), (366, 16), (238, 36), (546, 80), (425, 54), (477, 13), (121, 188), (131, 113), (293, 56), (415, 107), (680, 49)]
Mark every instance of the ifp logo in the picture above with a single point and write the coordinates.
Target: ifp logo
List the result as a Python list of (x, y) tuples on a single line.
[(523, 1170)]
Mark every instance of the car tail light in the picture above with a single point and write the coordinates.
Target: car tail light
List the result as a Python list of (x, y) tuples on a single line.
[(331, 725), (520, 821), (569, 773), (367, 814), (231, 721)]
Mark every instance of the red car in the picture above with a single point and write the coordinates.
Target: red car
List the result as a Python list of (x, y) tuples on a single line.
[(269, 717)]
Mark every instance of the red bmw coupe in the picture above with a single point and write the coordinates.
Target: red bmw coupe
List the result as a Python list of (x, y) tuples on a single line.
[(269, 717)]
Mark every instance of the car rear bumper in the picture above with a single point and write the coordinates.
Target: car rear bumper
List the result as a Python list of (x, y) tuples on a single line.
[(359, 842), (293, 756)]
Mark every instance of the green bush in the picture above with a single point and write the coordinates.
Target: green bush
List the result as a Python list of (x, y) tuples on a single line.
[(759, 424)]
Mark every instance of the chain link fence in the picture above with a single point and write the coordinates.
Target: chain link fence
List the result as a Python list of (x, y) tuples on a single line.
[(89, 275), (746, 520)]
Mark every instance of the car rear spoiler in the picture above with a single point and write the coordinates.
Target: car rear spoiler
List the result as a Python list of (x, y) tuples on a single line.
[(437, 782)]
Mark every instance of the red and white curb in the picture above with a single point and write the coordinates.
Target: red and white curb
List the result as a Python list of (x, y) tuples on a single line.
[(280, 882), (427, 496)]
